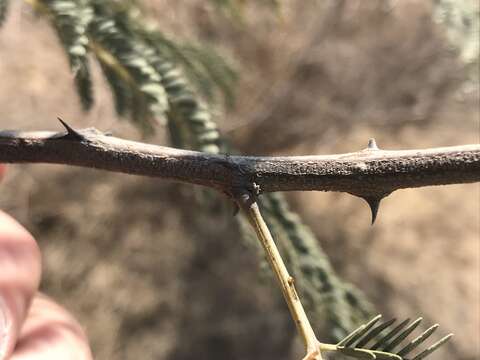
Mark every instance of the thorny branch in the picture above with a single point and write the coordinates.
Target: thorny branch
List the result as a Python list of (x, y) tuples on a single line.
[(371, 173)]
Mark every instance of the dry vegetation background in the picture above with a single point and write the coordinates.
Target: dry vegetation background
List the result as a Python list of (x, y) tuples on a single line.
[(151, 275)]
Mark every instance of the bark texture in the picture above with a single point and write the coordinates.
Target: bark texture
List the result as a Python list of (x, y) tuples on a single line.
[(370, 173)]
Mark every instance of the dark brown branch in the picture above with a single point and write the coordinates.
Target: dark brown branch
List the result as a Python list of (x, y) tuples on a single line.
[(370, 173)]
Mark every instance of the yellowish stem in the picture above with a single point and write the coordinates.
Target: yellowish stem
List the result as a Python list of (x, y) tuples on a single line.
[(284, 279)]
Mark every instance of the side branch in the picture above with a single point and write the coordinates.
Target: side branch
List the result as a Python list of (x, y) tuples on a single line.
[(251, 210), (370, 173)]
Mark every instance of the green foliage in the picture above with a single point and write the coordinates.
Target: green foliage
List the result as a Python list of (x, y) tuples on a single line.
[(385, 340), (134, 58), (208, 67), (71, 20), (3, 10), (188, 113), (461, 20), (462, 23), (127, 64), (205, 69)]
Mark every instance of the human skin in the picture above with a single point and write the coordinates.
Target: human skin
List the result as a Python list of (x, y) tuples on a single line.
[(32, 326)]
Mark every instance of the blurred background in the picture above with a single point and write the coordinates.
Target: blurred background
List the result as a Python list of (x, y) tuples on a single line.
[(150, 276)]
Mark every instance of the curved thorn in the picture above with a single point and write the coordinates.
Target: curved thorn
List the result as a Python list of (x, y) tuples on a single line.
[(71, 132), (374, 204)]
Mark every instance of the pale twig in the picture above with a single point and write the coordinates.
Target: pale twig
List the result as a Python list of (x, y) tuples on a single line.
[(247, 203)]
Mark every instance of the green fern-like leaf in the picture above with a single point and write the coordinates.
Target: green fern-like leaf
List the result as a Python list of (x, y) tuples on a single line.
[(204, 68), (71, 19), (3, 10), (386, 341), (215, 69), (188, 110), (121, 91), (126, 62), (143, 76), (131, 56), (175, 54)]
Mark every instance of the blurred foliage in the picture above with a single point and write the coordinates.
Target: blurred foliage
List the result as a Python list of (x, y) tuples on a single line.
[(146, 70), (72, 20), (462, 22), (3, 10)]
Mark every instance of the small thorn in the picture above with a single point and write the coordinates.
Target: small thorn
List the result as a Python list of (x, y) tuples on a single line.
[(372, 144), (71, 133), (374, 204)]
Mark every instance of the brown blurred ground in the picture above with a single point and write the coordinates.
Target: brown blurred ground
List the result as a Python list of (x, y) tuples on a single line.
[(152, 277)]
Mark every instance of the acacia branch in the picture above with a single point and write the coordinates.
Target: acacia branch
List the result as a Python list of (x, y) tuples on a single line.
[(370, 173)]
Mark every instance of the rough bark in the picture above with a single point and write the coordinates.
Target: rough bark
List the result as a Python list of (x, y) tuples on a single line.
[(370, 173)]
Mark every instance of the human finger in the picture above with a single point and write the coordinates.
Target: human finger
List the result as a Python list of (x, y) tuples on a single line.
[(51, 333), (19, 279)]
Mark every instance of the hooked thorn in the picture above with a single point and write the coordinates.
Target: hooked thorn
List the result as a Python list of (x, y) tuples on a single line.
[(71, 132)]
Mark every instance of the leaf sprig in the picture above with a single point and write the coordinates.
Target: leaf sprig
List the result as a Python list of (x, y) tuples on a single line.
[(132, 55), (383, 341)]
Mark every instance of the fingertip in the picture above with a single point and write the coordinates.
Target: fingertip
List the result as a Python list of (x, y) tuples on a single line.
[(51, 332), (20, 257), (20, 266)]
